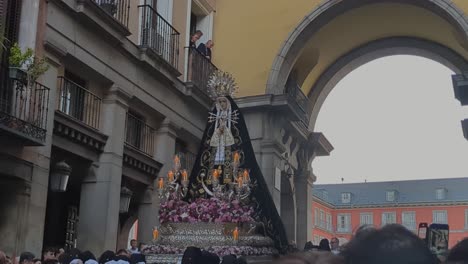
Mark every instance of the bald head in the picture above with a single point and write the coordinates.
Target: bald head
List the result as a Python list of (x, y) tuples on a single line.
[(3, 259)]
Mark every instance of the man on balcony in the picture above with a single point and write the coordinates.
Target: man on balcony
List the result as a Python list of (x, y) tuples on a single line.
[(205, 49)]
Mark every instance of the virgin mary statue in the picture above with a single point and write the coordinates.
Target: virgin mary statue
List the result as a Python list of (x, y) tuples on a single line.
[(225, 146)]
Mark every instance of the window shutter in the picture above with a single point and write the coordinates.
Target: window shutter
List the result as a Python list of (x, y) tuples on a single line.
[(13, 20)]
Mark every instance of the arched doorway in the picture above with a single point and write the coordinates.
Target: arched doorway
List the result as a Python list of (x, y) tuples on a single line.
[(339, 36)]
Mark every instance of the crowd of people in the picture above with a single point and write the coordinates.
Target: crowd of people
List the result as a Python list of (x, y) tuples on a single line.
[(391, 244)]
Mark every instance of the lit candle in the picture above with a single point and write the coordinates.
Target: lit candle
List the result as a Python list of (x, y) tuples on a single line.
[(184, 175), (160, 183), (240, 181), (236, 157), (215, 174), (170, 176), (235, 234), (177, 162), (155, 233), (246, 175)]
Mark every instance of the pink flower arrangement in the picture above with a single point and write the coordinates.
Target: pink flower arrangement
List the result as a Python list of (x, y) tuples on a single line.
[(205, 210)]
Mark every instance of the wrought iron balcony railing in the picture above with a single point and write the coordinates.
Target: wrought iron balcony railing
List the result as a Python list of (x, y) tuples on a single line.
[(199, 68), (139, 135), (299, 102), (23, 108), (118, 9), (159, 35), (78, 102)]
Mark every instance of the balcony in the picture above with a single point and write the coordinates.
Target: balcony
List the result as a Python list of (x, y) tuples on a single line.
[(199, 69), (158, 35), (299, 102), (117, 9), (79, 103), (23, 109), (139, 135)]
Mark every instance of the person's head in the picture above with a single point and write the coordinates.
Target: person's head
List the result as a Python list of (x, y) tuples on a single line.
[(308, 246), (50, 261), (229, 259), (48, 253), (324, 245), (223, 103), (334, 243), (459, 253), (209, 44), (141, 246), (196, 36), (391, 244), (87, 255), (122, 252), (311, 257), (3, 259), (59, 252), (26, 258), (133, 243), (137, 259), (192, 255), (106, 256)]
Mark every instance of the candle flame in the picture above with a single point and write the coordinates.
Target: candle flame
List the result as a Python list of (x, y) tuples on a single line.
[(236, 157), (155, 233), (215, 174), (246, 175), (184, 175), (235, 234), (170, 176), (160, 183)]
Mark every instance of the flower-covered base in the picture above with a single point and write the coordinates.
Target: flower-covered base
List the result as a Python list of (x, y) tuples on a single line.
[(216, 238)]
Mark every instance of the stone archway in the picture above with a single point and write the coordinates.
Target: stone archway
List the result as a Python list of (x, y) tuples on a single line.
[(330, 9)]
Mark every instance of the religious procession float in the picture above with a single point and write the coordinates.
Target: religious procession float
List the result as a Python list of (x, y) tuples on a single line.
[(224, 205)]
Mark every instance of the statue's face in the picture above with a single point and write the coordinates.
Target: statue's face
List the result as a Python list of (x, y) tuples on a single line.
[(223, 103)]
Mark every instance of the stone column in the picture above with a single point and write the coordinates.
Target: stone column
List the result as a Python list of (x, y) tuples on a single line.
[(28, 23), (148, 217), (100, 193)]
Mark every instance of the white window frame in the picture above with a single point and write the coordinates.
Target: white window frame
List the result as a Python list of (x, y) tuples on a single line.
[(408, 220), (466, 218), (346, 197), (390, 196), (364, 217), (329, 222), (385, 219), (440, 193), (439, 214), (347, 223)]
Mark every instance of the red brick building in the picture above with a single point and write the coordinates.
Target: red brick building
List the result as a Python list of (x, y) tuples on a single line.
[(340, 209)]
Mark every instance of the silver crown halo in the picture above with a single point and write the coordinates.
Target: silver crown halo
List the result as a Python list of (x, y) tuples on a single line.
[(221, 84)]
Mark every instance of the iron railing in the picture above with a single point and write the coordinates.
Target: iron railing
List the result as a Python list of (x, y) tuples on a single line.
[(78, 102), (200, 69), (139, 135), (118, 9), (24, 106), (299, 101), (159, 35)]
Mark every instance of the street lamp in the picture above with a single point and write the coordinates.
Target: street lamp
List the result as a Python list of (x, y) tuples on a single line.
[(125, 197), (59, 177)]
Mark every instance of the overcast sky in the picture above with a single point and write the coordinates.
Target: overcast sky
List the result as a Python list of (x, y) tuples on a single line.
[(394, 118)]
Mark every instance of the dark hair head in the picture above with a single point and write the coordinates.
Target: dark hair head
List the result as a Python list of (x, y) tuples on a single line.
[(87, 255), (391, 244), (459, 253), (122, 251), (308, 246), (106, 256), (137, 258), (75, 253), (50, 261), (229, 259), (324, 245), (210, 258), (65, 258), (133, 240), (26, 256), (192, 255)]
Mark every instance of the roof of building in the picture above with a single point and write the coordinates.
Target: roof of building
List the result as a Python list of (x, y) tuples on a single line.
[(406, 192)]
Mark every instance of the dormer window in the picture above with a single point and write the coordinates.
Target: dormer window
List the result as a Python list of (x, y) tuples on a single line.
[(391, 196), (346, 197), (441, 193)]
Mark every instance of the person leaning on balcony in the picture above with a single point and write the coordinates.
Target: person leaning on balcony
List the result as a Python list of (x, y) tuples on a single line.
[(194, 38), (205, 49)]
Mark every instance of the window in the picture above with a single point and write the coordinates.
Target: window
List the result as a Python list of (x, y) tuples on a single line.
[(391, 196), (343, 223), (329, 222), (439, 217), (440, 194), (408, 220), (316, 216), (322, 219), (366, 219), (73, 95), (135, 129), (466, 218), (346, 197), (388, 218)]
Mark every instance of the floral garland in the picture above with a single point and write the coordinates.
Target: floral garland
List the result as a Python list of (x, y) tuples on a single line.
[(205, 210), (218, 250)]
